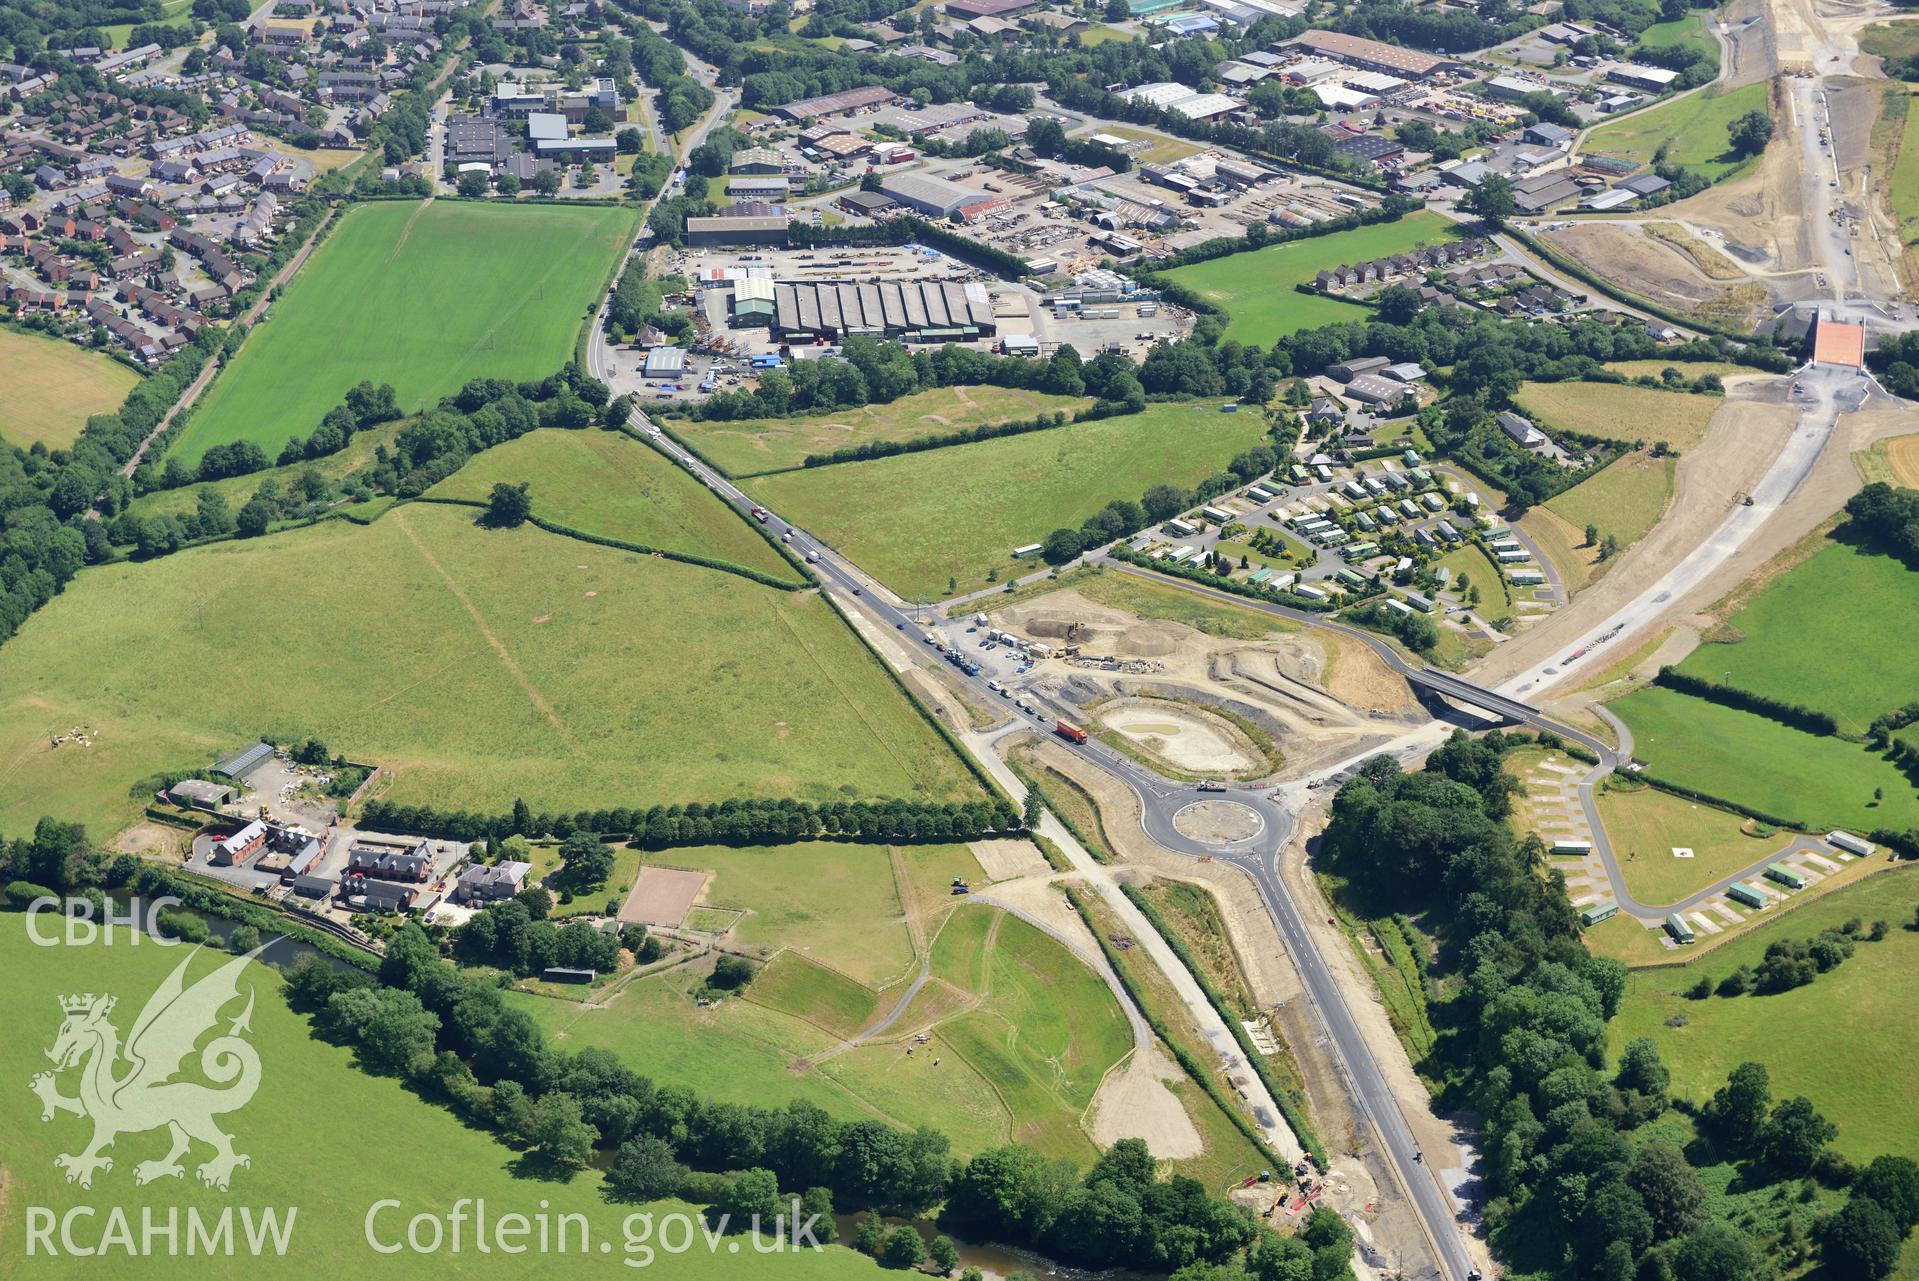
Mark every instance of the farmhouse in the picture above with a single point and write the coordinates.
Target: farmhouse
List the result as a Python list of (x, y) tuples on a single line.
[(238, 847), (483, 883), (1522, 432)]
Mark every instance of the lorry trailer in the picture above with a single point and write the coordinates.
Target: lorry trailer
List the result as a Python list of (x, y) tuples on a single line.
[(1069, 731)]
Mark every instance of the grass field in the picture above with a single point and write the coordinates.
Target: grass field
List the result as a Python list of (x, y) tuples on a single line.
[(750, 448), (914, 520), (476, 665), (1614, 411), (1163, 150), (1829, 633), (1689, 32), (53, 387), (1625, 499), (1023, 1031), (1149, 598), (1470, 561), (414, 1152), (422, 296), (1691, 127), (834, 902), (1690, 368), (1256, 288), (1646, 825), (602, 482), (1564, 546), (1842, 1041), (1812, 781)]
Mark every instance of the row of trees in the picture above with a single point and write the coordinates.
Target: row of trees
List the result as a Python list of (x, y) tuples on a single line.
[(1800, 717), (749, 821)]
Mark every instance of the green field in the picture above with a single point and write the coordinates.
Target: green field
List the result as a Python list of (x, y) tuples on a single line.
[(1257, 288), (1813, 781), (1022, 1030), (1902, 188), (1625, 499), (1843, 1041), (421, 296), (477, 666), (400, 1147), (1645, 826), (913, 520), (1692, 127), (607, 483), (749, 448), (1689, 32), (1615, 411), (1482, 572), (53, 387), (1830, 633), (834, 902)]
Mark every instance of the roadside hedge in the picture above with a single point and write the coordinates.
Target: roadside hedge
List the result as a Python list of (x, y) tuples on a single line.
[(1793, 715), (1288, 1105)]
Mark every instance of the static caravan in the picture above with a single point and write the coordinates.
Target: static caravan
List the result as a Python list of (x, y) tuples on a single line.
[(1218, 515), (1601, 911), (1511, 558), (1031, 549), (1398, 606), (1310, 593), (1180, 528), (1680, 929), (1571, 849), (1751, 896), (1785, 876), (1851, 844), (1526, 578), (1181, 555), (1433, 502)]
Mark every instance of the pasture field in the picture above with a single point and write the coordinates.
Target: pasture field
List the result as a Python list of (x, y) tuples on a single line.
[(1024, 1033), (1692, 127), (53, 387), (1813, 781), (1689, 32), (1470, 561), (422, 296), (833, 901), (478, 666), (236, 490), (1564, 546), (914, 520), (425, 1157), (775, 444), (1617, 411), (1257, 287), (1829, 633), (1690, 368), (1894, 461), (607, 483), (1625, 499), (1645, 826), (1864, 1006)]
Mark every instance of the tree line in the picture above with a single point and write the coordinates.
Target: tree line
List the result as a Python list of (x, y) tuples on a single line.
[(738, 821), (1796, 715)]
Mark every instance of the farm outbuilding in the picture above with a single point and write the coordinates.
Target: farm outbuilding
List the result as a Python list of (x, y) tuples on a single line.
[(243, 762)]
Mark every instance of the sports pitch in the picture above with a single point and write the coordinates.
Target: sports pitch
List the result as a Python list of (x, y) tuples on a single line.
[(750, 448), (421, 296), (607, 483), (53, 387), (477, 666), (1257, 288), (914, 520), (329, 1177)]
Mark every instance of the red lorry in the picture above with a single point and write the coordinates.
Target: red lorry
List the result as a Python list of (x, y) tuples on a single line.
[(1069, 731)]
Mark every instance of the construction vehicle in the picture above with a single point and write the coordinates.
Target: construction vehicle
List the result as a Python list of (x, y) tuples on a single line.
[(960, 886), (1211, 785)]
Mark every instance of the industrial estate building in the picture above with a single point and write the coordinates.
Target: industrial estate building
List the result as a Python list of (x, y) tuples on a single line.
[(917, 311)]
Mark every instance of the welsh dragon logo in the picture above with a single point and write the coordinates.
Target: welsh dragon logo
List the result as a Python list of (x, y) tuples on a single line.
[(132, 1089)]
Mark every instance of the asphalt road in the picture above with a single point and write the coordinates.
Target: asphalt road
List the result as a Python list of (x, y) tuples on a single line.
[(1161, 800)]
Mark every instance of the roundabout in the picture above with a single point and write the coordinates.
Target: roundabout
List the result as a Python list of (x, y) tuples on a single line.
[(1219, 822)]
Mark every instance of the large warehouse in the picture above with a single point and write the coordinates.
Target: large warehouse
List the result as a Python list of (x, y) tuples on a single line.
[(917, 311), (1371, 55), (934, 197)]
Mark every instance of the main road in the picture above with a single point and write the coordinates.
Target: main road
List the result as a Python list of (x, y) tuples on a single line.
[(1161, 800)]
